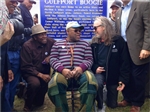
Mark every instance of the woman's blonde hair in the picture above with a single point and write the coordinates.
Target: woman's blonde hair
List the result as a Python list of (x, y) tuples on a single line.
[(108, 32)]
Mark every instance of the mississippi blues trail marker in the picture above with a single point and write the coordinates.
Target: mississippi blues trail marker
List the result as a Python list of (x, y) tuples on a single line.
[(55, 14)]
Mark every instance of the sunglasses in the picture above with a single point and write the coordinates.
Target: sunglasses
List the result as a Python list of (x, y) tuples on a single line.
[(95, 27), (77, 30)]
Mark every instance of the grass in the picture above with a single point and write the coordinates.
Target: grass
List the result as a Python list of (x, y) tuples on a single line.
[(49, 107)]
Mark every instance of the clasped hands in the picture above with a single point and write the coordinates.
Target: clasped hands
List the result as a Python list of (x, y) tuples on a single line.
[(75, 73)]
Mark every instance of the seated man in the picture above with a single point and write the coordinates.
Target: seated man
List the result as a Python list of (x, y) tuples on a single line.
[(71, 58), (35, 67)]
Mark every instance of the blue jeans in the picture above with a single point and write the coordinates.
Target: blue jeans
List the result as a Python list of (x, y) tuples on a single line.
[(10, 87), (112, 93)]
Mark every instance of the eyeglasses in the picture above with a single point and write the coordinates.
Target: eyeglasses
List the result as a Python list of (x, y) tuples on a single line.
[(95, 27)]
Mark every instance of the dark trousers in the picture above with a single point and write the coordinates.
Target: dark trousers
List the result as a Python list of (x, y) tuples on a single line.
[(134, 92), (2, 96), (112, 93), (147, 87), (36, 90)]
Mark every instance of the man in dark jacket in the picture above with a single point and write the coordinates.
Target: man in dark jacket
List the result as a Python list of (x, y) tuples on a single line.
[(25, 8), (111, 62), (35, 67), (6, 71)]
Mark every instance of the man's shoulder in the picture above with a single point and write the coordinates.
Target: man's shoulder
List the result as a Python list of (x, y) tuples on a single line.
[(62, 41), (83, 42), (21, 6), (51, 40), (29, 43)]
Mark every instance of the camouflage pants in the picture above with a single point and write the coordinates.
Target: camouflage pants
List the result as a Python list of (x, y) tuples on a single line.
[(87, 88)]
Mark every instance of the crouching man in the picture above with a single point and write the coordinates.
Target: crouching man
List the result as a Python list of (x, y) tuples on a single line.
[(35, 67)]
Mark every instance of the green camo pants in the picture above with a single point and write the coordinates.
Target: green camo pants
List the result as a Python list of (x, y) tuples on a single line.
[(87, 88)]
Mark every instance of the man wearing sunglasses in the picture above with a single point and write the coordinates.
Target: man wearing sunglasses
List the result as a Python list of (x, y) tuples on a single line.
[(71, 59), (111, 62)]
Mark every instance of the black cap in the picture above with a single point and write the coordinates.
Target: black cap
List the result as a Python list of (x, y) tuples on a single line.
[(117, 4)]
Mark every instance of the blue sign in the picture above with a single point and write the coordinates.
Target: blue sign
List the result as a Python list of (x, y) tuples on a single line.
[(55, 14)]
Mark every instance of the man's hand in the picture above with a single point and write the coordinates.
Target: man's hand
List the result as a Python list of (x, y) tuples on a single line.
[(121, 86), (77, 71), (1, 83), (67, 73), (10, 75), (45, 77), (7, 34), (144, 54), (99, 70), (46, 60)]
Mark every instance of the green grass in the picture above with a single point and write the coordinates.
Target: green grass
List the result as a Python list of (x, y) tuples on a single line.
[(49, 107)]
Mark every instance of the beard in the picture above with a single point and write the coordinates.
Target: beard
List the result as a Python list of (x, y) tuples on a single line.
[(96, 38)]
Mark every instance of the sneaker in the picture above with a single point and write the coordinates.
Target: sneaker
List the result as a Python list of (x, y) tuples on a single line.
[(100, 110)]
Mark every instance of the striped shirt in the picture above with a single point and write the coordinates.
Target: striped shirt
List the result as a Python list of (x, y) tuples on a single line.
[(60, 57)]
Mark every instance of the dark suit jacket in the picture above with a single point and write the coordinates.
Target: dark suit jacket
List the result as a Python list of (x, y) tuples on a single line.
[(27, 20), (137, 31)]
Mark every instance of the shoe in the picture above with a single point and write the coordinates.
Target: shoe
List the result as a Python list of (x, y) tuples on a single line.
[(100, 110), (26, 109), (135, 109), (123, 103), (13, 110)]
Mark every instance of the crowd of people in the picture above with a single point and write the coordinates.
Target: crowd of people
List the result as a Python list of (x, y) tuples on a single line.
[(118, 56)]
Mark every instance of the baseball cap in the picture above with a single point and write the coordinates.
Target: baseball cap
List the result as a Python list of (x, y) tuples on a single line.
[(116, 3), (33, 1), (74, 24)]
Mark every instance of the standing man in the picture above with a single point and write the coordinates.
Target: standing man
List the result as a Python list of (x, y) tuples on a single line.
[(14, 48), (25, 8), (6, 32), (133, 23), (114, 7), (35, 67), (35, 19), (71, 59), (6, 70)]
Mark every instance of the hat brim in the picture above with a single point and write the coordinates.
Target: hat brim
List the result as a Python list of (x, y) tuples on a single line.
[(33, 2), (38, 33), (81, 27), (115, 6)]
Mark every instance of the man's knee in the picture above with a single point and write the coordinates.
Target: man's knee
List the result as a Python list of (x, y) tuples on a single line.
[(33, 82), (88, 83), (57, 85)]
